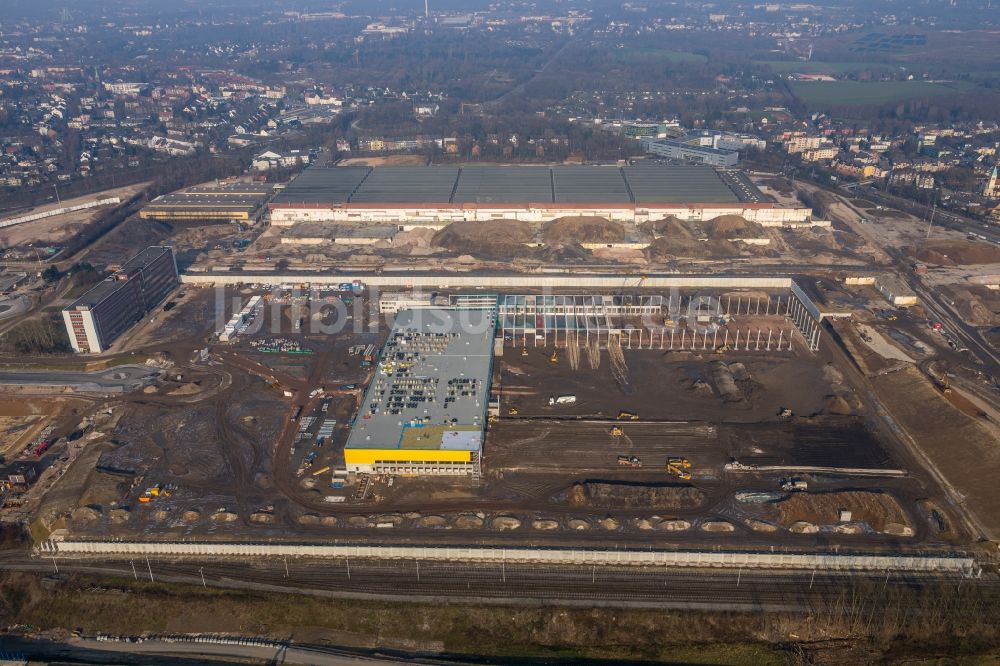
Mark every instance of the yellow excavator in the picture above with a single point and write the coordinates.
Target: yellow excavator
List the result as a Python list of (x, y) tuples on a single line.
[(678, 467), (554, 358), (524, 351), (627, 416), (617, 431), (512, 411)]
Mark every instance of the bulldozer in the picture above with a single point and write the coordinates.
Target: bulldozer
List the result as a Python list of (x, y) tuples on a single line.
[(617, 431), (627, 416)]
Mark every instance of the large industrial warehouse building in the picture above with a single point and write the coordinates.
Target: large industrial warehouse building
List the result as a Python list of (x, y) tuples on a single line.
[(438, 195), (228, 202), (425, 409)]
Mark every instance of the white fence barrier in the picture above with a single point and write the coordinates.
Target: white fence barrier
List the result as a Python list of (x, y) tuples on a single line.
[(700, 559), (9, 222)]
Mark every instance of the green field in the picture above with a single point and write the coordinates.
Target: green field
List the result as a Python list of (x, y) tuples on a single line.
[(865, 93), (816, 67), (659, 55)]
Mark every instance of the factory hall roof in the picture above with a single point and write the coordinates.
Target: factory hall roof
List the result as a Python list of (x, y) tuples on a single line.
[(643, 183), (431, 387)]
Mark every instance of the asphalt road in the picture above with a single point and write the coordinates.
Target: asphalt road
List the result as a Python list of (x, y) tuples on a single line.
[(179, 652), (123, 377)]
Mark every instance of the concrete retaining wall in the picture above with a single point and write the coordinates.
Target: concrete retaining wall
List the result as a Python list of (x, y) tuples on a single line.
[(535, 280), (700, 559), (9, 222)]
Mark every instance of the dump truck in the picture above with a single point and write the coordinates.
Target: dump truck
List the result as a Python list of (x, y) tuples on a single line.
[(680, 462), (630, 461)]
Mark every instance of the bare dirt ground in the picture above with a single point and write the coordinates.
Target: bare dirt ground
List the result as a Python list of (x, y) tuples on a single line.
[(674, 385), (496, 238), (385, 160), (955, 253), (879, 511), (57, 228), (963, 449), (23, 420)]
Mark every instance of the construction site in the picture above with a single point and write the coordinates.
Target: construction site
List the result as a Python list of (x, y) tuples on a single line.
[(548, 355), (674, 409)]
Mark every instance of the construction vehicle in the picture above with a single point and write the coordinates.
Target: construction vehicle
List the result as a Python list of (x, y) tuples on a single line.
[(627, 416), (630, 461), (616, 431), (939, 378), (524, 351), (679, 473), (321, 470), (668, 321), (562, 400), (794, 484), (676, 466), (513, 411), (785, 413), (554, 358), (722, 348)]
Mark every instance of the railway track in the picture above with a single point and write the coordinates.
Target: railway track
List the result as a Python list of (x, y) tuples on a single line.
[(746, 590)]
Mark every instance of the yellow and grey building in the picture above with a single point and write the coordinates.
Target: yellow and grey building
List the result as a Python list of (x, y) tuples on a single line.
[(233, 201), (425, 411)]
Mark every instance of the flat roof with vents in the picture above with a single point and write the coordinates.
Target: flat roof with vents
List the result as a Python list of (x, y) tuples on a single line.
[(643, 183), (431, 384)]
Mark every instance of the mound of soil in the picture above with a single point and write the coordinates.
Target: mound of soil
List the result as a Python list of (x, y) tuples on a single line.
[(504, 238), (733, 226), (468, 521), (610, 494), (669, 226), (876, 509), (582, 229), (955, 253)]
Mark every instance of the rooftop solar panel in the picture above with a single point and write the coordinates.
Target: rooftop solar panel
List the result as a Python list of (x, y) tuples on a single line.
[(590, 184), (677, 184), (504, 184), (407, 185), (323, 185), (643, 183)]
